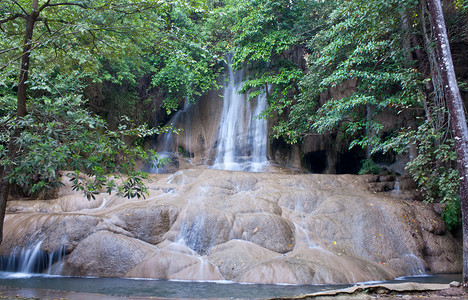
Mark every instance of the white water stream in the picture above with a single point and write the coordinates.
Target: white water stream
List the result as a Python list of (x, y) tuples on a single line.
[(242, 134), (30, 260)]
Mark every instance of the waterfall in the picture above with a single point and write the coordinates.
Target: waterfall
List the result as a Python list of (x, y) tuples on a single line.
[(241, 144), (168, 143), (32, 260), (238, 143)]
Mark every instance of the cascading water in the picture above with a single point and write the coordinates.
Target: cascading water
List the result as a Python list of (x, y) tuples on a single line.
[(169, 140), (212, 225), (239, 141), (33, 260), (167, 143), (242, 134)]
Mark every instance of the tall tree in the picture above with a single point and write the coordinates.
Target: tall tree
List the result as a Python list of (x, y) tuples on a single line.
[(457, 116), (31, 18)]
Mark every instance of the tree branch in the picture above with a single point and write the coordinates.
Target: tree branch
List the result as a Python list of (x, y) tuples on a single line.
[(44, 5), (48, 4), (10, 18), (46, 23), (10, 49), (19, 5)]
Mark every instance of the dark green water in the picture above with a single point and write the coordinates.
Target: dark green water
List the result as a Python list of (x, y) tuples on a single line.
[(180, 289)]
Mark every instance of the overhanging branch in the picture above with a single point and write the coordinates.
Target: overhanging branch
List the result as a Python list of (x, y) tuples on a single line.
[(19, 5), (10, 49), (48, 4), (11, 18)]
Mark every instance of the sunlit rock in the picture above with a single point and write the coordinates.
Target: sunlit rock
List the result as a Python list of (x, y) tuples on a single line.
[(172, 264), (335, 266), (280, 270), (148, 222), (268, 231), (237, 256), (202, 227), (54, 231), (106, 254)]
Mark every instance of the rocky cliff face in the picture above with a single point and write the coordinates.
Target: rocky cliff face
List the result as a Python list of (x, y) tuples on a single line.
[(199, 124), (200, 138), (201, 224)]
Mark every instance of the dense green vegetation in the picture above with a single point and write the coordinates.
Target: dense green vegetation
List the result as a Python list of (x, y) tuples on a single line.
[(383, 51), (103, 75)]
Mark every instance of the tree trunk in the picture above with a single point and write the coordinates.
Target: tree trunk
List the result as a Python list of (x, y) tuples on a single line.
[(24, 70), (21, 110), (457, 116), (4, 191)]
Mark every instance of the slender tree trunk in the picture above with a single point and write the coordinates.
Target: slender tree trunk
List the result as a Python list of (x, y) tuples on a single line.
[(4, 191), (21, 110), (457, 116), (24, 71)]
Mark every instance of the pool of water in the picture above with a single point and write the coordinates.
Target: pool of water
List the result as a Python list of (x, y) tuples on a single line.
[(180, 289)]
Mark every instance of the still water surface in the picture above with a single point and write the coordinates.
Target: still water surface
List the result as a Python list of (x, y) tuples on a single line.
[(180, 289)]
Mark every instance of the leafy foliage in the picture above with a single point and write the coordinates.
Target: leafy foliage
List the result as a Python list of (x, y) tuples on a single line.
[(369, 167), (58, 134), (184, 67), (434, 170), (360, 45), (117, 43)]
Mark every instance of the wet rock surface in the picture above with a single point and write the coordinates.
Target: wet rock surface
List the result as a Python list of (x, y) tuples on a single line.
[(248, 227), (407, 290)]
